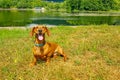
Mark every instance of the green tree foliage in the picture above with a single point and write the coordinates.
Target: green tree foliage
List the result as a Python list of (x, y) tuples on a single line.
[(68, 5), (92, 5), (73, 5), (5, 3), (23, 4), (20, 3)]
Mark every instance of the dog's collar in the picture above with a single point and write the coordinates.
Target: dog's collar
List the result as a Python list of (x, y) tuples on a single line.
[(39, 45)]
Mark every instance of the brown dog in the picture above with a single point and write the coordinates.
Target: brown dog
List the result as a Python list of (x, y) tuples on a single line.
[(44, 50)]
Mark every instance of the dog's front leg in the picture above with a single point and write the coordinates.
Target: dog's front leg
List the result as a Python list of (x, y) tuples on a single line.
[(33, 62), (47, 60)]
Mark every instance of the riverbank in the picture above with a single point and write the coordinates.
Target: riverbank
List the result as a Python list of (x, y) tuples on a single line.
[(61, 10), (51, 26)]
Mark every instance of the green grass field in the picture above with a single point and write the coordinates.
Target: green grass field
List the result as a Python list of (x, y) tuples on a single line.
[(93, 51)]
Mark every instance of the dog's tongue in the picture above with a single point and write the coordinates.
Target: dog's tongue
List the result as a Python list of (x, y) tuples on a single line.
[(40, 37)]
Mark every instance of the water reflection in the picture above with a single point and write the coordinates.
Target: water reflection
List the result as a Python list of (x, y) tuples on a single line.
[(28, 17)]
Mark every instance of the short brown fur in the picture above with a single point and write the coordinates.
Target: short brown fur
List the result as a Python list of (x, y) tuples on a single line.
[(48, 50)]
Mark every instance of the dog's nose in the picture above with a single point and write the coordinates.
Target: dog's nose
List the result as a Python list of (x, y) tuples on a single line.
[(40, 31)]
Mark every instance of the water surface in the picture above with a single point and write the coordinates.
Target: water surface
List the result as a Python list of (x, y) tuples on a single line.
[(29, 17)]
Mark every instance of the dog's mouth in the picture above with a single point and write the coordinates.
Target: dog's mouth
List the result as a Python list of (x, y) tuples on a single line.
[(40, 37)]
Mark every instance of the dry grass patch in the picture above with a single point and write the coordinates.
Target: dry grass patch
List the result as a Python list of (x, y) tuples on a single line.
[(93, 53)]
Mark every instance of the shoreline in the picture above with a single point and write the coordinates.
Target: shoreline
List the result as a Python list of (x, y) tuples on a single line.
[(19, 9), (112, 11), (49, 26), (22, 27)]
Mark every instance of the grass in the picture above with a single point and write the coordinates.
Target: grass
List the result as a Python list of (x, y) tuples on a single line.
[(93, 51)]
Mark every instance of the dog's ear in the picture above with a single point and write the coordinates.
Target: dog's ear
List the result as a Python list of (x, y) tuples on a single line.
[(32, 31), (47, 31)]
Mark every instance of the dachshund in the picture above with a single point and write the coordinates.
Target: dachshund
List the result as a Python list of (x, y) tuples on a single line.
[(44, 50)]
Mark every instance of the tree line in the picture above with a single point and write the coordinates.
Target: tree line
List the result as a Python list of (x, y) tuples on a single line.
[(68, 5), (20, 3), (92, 5)]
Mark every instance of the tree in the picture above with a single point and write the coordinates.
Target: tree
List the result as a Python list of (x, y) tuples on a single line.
[(73, 5), (24, 4), (5, 3), (92, 5), (69, 5), (117, 4)]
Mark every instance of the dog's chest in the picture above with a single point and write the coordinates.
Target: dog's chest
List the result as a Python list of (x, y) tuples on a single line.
[(39, 51)]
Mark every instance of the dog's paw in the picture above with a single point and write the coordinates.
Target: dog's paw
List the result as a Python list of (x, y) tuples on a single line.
[(31, 65)]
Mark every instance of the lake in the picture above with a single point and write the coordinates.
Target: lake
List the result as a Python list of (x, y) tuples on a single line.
[(31, 17)]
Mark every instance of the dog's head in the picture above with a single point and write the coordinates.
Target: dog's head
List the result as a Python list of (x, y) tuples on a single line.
[(39, 31)]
